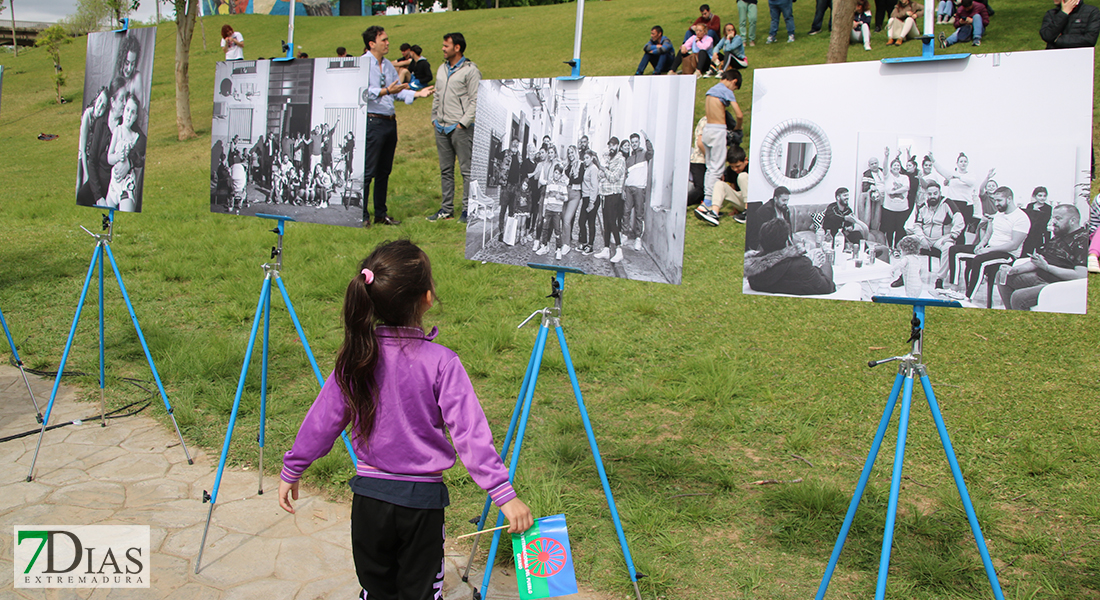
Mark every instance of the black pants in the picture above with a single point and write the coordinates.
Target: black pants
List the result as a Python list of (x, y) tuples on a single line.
[(508, 196), (377, 163), (398, 551), (882, 11), (695, 192), (612, 219), (587, 235)]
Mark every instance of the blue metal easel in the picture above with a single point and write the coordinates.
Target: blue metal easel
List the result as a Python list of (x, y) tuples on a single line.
[(19, 363), (103, 252), (911, 366), (551, 317), (271, 272)]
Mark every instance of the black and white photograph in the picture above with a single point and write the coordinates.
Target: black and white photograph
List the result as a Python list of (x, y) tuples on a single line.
[(588, 173), (115, 119), (285, 138), (860, 195)]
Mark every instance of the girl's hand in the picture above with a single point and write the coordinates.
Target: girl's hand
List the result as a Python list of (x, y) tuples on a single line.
[(517, 513), (288, 491)]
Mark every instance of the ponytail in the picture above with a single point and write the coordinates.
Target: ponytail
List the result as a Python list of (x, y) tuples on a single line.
[(388, 290)]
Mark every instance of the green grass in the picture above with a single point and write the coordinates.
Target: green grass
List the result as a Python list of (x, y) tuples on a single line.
[(695, 391)]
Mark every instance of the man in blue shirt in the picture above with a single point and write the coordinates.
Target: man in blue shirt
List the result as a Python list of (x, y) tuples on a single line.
[(383, 85), (658, 52)]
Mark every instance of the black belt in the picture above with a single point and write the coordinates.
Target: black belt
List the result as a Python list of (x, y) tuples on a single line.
[(378, 116)]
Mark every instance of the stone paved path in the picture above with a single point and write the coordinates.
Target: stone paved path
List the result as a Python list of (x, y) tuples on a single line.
[(134, 472)]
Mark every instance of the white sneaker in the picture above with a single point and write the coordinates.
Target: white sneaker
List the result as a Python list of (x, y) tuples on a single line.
[(557, 254), (638, 244), (605, 253), (1094, 264), (536, 246), (543, 250), (618, 255), (564, 250)]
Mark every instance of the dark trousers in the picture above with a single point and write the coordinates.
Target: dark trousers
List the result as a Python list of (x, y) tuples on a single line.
[(660, 63), (819, 15), (380, 145), (695, 192), (882, 11), (508, 196), (398, 551), (893, 225), (612, 219), (588, 212)]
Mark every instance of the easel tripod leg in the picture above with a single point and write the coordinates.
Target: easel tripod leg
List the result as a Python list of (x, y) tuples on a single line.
[(895, 486), (96, 256), (531, 366), (960, 484), (599, 462), (883, 423), (263, 390), (102, 356), (264, 297), (19, 363), (148, 355), (309, 355), (540, 347)]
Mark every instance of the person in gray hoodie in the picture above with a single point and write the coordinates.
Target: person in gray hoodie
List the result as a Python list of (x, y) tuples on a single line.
[(453, 111)]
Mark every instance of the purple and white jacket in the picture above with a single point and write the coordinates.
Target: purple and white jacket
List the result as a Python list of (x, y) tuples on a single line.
[(423, 392)]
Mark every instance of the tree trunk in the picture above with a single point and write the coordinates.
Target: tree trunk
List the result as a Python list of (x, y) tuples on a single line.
[(185, 27), (14, 42), (840, 39), (157, 4)]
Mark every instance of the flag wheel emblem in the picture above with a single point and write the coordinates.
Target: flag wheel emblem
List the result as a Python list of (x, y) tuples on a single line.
[(545, 557)]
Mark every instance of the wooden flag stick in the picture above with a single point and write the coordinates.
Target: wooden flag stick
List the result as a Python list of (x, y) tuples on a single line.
[(482, 531)]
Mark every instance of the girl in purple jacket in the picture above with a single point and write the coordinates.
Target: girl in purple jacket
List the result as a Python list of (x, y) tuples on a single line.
[(401, 393)]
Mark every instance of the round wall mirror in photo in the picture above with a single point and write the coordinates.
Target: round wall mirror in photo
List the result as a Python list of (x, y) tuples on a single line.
[(795, 154)]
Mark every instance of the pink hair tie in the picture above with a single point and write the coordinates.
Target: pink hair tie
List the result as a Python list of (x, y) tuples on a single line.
[(368, 275)]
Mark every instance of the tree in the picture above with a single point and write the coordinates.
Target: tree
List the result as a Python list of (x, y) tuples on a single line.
[(89, 16), (840, 39), (187, 12), (14, 43), (52, 39), (121, 8)]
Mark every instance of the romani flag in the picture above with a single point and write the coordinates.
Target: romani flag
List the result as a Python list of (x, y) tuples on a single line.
[(544, 563)]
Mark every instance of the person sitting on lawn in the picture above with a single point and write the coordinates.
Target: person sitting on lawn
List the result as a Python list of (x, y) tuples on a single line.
[(902, 24), (733, 186), (728, 53), (707, 19), (1062, 258), (657, 52), (971, 19), (782, 268), (694, 53), (861, 24)]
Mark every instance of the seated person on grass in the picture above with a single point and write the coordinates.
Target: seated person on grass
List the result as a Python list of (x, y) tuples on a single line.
[(707, 19), (840, 218), (694, 53), (733, 186), (902, 24), (657, 52), (1062, 258), (728, 53), (782, 268), (971, 20)]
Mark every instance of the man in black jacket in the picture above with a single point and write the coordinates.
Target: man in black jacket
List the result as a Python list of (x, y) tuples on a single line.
[(1070, 24)]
